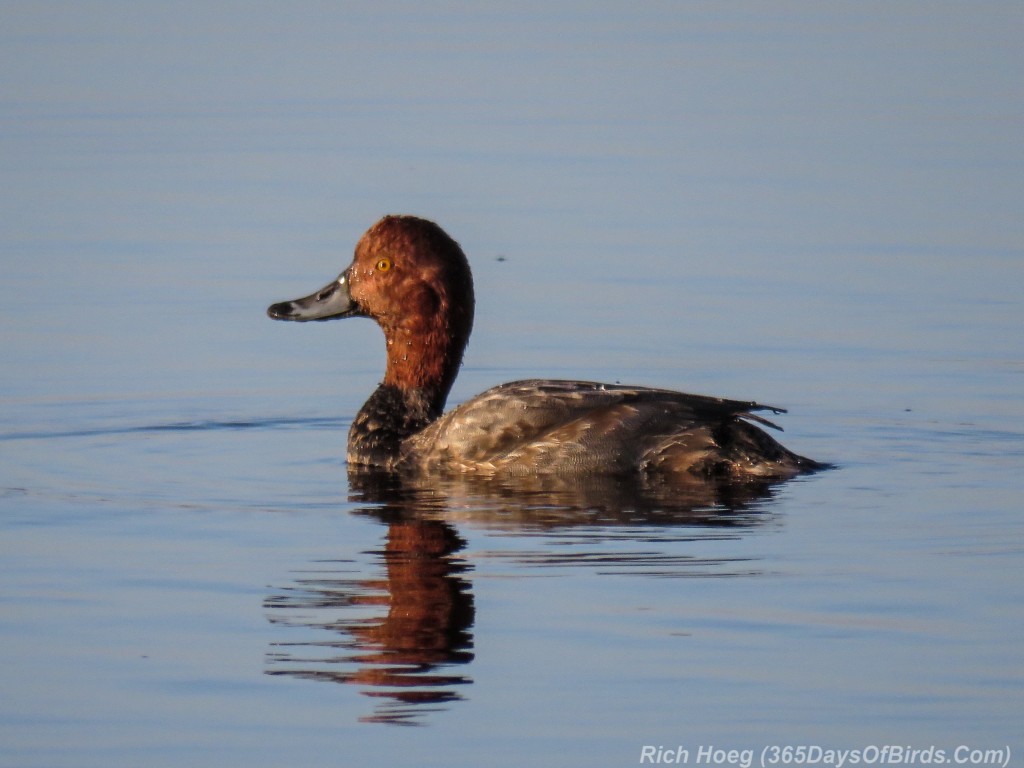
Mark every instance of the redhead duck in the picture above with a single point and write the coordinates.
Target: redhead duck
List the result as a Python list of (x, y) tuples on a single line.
[(414, 280)]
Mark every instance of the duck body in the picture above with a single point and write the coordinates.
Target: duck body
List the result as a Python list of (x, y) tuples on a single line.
[(414, 281), (583, 427)]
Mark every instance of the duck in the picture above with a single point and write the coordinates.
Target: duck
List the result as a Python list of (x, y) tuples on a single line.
[(414, 281)]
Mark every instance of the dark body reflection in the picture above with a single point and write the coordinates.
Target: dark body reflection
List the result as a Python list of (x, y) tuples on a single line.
[(405, 636)]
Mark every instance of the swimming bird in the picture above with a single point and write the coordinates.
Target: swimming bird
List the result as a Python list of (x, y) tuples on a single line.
[(414, 280)]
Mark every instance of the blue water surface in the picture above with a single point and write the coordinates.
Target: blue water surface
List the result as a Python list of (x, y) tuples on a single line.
[(814, 206)]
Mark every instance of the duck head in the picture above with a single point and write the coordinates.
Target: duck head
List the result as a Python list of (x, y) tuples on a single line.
[(413, 279)]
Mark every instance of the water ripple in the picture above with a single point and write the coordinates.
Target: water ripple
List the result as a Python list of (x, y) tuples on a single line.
[(201, 425)]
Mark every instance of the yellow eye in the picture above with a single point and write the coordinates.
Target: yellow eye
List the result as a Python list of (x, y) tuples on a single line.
[(384, 264)]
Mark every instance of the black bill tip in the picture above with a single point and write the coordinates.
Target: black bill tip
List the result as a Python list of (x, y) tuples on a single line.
[(284, 310)]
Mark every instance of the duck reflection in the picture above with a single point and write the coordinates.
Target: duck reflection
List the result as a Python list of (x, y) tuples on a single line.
[(402, 637), (406, 636)]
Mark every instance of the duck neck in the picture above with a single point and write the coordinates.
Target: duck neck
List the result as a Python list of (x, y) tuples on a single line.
[(423, 360), (420, 371)]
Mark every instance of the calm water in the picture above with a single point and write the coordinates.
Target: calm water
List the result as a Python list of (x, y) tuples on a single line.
[(817, 208)]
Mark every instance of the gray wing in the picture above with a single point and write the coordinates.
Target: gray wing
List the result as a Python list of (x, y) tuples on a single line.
[(585, 425)]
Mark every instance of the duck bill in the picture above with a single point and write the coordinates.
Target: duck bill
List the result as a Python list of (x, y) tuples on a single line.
[(331, 301)]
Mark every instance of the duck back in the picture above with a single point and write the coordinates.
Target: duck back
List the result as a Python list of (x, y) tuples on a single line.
[(580, 427)]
